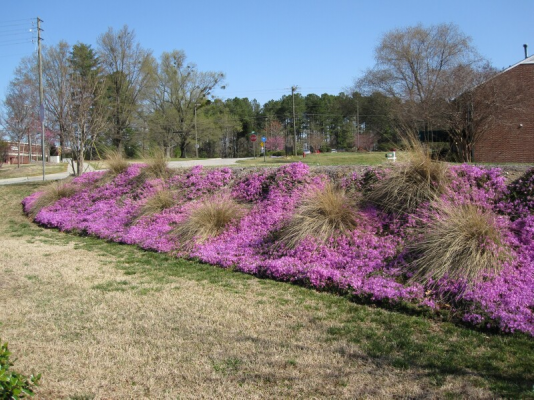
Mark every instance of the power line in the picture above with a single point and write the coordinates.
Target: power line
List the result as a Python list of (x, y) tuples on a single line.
[(17, 20), (16, 40), (15, 26), (20, 31), (17, 32)]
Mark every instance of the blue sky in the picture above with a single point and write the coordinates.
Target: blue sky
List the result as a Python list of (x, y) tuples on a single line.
[(265, 47)]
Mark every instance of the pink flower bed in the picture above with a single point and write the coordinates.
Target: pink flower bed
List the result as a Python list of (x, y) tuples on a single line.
[(370, 263)]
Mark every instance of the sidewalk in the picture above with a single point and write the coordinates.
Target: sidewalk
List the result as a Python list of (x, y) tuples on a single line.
[(49, 177)]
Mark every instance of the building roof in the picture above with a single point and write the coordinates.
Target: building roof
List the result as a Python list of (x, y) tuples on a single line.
[(528, 60), (525, 61)]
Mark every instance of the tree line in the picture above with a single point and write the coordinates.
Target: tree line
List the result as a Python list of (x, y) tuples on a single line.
[(120, 96)]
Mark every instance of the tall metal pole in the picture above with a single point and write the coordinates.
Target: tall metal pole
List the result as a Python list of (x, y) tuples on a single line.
[(41, 94), (357, 125), (293, 88), (196, 131)]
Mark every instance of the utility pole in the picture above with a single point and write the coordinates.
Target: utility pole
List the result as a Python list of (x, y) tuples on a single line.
[(41, 94), (196, 131), (357, 125), (293, 89)]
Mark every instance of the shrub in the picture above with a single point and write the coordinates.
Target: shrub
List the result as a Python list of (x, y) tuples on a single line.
[(208, 219), (419, 179), (12, 384), (326, 212), (51, 194), (116, 162), (459, 242)]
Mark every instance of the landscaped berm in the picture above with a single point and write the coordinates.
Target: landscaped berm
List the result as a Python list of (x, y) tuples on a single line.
[(462, 240), (450, 242)]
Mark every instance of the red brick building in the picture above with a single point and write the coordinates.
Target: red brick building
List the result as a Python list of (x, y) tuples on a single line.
[(13, 153), (510, 139)]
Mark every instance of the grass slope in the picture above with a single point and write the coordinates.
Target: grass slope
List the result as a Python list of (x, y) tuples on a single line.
[(103, 320)]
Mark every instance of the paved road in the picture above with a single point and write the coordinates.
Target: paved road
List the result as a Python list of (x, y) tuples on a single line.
[(211, 162)]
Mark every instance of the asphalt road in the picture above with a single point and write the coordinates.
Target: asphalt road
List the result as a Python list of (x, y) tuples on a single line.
[(211, 162)]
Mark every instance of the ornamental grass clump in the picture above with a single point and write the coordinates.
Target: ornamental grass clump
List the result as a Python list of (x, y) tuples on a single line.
[(161, 200), (51, 194), (459, 243), (116, 162), (208, 219), (156, 165), (420, 179), (323, 214)]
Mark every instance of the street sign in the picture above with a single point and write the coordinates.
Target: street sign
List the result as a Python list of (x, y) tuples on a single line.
[(262, 144), (253, 138), (263, 139)]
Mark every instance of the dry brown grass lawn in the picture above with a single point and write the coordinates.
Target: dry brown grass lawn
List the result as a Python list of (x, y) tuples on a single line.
[(178, 338), (12, 171)]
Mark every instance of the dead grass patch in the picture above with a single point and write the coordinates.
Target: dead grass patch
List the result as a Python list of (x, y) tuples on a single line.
[(189, 339), (11, 171)]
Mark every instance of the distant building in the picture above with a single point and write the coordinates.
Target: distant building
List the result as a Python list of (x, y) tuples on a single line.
[(511, 137), (13, 153)]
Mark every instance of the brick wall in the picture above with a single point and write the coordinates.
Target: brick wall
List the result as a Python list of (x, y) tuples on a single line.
[(511, 140), (12, 156)]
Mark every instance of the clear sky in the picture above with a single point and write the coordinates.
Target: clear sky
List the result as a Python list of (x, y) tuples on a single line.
[(265, 47)]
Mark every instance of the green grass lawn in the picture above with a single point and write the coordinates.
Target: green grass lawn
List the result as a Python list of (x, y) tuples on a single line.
[(322, 159), (13, 171)]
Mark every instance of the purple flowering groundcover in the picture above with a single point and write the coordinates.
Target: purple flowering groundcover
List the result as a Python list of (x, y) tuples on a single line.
[(371, 262)]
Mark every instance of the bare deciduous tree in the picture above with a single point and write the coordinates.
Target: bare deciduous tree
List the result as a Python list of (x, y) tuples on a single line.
[(129, 69), (316, 139), (18, 115), (416, 65), (86, 111), (181, 89), (86, 117), (56, 74)]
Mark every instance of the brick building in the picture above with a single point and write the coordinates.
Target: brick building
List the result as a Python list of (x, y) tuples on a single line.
[(510, 139), (13, 153)]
